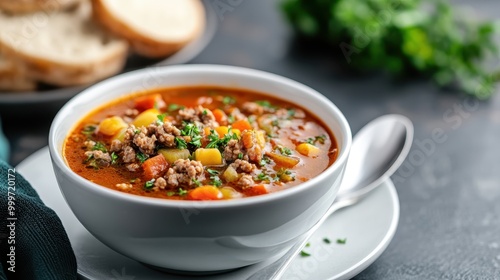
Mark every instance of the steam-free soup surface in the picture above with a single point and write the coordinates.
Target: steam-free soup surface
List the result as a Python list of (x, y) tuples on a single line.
[(199, 143)]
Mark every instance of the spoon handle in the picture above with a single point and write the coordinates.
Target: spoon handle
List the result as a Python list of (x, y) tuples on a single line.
[(275, 270)]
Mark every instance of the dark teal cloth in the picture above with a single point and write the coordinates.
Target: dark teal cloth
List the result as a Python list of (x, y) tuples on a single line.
[(42, 248)]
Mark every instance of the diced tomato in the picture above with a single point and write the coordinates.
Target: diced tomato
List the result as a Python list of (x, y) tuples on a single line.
[(242, 125), (256, 190), (143, 103), (154, 167), (205, 193)]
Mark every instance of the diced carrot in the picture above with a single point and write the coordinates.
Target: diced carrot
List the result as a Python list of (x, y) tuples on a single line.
[(154, 167), (282, 160), (223, 130), (242, 125), (143, 103), (248, 138), (256, 190), (205, 193), (220, 116)]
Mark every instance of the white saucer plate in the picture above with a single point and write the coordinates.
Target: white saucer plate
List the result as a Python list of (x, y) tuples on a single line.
[(367, 229)]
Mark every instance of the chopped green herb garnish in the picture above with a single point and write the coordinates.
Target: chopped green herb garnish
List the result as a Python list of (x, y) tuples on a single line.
[(174, 107), (99, 147), (149, 184), (133, 180), (326, 240), (228, 100), (263, 177), (196, 182), (252, 119), (230, 119), (265, 103), (265, 160), (304, 254), (114, 158), (156, 106), (205, 112), (341, 241), (321, 139), (284, 150), (285, 175), (170, 193), (137, 131), (308, 244), (212, 172), (180, 143), (161, 118), (191, 130), (291, 113), (141, 157), (91, 162), (275, 123), (216, 181), (182, 192), (215, 142), (89, 129), (310, 141), (240, 156)]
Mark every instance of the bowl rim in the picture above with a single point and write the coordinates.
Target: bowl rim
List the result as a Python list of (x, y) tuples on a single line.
[(58, 160)]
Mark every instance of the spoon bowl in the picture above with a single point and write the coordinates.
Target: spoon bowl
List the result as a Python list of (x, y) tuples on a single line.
[(378, 150)]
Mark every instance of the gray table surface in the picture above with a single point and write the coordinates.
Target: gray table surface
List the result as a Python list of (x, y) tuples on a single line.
[(449, 188)]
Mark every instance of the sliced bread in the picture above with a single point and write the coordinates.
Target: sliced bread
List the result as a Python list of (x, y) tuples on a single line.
[(28, 6), (62, 48), (154, 28), (12, 77)]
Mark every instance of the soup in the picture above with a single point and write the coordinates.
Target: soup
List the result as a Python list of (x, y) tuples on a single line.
[(199, 143)]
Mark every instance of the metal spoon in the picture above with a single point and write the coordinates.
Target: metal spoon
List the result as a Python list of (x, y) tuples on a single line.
[(378, 150)]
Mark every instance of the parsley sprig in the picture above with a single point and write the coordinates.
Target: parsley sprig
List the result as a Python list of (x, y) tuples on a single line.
[(420, 36), (191, 130), (220, 143)]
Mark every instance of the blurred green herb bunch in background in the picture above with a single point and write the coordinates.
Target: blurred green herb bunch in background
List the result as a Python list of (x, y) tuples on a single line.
[(403, 37)]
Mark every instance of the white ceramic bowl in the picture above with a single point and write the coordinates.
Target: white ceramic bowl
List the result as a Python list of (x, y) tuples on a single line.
[(190, 235)]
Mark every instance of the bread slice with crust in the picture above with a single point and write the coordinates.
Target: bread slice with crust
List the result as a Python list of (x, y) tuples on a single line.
[(63, 48), (154, 28), (12, 77), (29, 6)]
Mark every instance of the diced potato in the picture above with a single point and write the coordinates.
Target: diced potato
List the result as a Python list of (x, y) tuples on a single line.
[(230, 193), (110, 126), (282, 160), (205, 193), (171, 155), (208, 156), (146, 118), (308, 150), (230, 174), (223, 130)]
